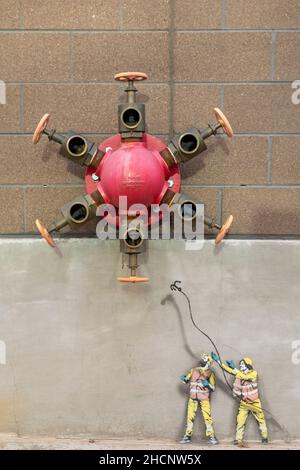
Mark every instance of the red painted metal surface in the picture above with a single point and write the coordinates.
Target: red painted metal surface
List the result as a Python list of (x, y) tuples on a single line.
[(135, 170)]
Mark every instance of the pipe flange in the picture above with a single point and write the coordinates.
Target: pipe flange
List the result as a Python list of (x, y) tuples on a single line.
[(224, 229), (40, 128), (130, 76), (222, 119), (45, 234), (133, 279)]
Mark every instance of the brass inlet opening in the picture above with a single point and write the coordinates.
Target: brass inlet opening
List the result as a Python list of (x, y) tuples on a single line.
[(131, 118), (78, 213), (77, 146), (188, 143), (187, 210), (133, 238)]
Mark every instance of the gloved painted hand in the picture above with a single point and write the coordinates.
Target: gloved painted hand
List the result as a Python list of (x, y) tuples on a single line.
[(205, 383), (183, 379), (231, 364), (215, 356)]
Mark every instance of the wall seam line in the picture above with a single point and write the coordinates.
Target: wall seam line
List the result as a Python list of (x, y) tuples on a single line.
[(171, 66)]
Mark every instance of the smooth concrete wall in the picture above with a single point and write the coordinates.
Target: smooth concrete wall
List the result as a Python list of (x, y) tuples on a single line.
[(86, 355)]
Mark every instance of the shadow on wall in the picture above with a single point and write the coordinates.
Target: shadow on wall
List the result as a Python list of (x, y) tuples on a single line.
[(195, 359), (197, 164), (276, 429)]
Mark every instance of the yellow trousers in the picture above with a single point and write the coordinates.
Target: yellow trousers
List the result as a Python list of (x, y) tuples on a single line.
[(255, 409), (191, 414)]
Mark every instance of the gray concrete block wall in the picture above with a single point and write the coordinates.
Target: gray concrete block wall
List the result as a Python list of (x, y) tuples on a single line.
[(88, 356)]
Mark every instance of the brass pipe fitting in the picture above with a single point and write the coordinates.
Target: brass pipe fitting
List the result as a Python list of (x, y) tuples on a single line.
[(184, 147), (188, 206), (77, 212), (131, 118), (77, 148)]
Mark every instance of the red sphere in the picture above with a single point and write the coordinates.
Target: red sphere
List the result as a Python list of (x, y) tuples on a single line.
[(134, 171)]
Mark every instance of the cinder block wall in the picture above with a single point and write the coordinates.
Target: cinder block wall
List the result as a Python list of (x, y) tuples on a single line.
[(240, 55)]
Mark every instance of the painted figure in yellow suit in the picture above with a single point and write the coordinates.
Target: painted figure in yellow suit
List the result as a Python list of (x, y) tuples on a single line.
[(201, 380), (245, 387)]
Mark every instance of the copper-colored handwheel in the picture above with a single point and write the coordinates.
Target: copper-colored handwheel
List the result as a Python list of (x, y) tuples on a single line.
[(224, 230), (40, 128), (222, 119), (45, 234), (133, 279), (135, 76)]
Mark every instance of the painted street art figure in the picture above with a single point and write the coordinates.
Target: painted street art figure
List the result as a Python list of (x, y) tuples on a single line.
[(245, 387), (201, 380)]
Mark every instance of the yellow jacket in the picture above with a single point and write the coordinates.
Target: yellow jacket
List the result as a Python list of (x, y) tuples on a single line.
[(245, 385), (252, 374)]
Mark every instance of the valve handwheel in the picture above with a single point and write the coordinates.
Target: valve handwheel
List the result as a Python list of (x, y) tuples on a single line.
[(224, 230), (222, 119), (133, 279), (131, 76), (45, 234), (40, 128)]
